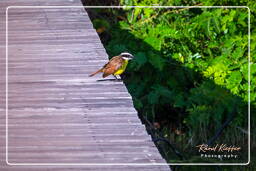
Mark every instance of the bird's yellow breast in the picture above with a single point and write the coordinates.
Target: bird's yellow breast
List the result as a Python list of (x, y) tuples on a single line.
[(122, 68)]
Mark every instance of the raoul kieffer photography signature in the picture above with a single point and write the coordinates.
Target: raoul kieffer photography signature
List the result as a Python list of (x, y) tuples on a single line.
[(220, 151), (218, 148)]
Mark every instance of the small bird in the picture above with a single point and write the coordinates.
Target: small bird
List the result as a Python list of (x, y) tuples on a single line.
[(115, 66)]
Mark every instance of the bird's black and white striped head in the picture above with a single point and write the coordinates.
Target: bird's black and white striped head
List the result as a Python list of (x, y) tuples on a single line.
[(126, 55)]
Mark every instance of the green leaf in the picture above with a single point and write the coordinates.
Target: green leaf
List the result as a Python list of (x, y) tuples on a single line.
[(154, 42), (179, 101), (162, 91), (98, 23), (153, 97), (234, 80), (140, 58), (137, 103), (124, 25), (148, 12), (119, 48), (156, 60)]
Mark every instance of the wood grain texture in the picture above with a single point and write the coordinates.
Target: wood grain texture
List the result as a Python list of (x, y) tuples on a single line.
[(56, 113)]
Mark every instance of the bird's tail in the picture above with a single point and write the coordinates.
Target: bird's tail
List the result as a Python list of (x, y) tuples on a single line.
[(95, 72)]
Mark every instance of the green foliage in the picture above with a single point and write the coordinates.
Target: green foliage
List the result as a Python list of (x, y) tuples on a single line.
[(192, 62), (99, 23)]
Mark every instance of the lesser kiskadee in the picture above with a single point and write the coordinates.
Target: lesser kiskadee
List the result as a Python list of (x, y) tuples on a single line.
[(115, 66)]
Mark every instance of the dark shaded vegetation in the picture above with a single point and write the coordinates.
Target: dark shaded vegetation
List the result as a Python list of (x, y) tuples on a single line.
[(190, 75)]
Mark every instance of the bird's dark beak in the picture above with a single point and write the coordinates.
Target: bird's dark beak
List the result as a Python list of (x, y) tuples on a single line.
[(131, 57)]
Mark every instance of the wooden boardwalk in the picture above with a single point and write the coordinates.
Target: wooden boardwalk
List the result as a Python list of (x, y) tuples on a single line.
[(56, 113)]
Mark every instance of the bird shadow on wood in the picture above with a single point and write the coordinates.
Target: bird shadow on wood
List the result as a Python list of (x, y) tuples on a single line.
[(114, 80)]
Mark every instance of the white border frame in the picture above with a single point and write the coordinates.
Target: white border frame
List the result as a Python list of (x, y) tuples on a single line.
[(131, 164)]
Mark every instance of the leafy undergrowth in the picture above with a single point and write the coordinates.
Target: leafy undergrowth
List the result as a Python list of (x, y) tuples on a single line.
[(190, 72)]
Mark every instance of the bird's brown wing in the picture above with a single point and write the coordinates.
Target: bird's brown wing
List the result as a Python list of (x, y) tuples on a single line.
[(112, 66)]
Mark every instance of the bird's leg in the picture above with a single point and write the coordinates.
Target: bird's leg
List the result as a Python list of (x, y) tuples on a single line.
[(120, 78), (115, 77)]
